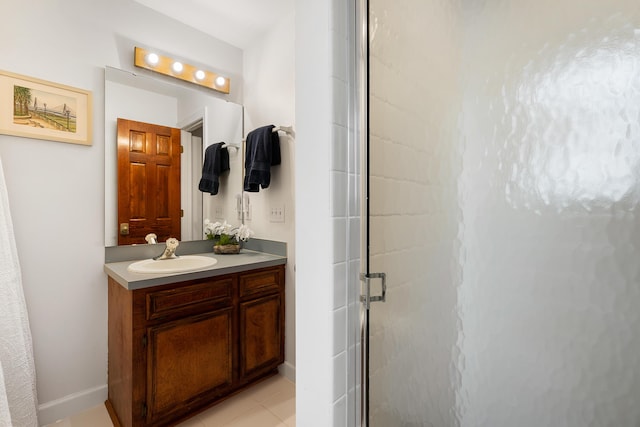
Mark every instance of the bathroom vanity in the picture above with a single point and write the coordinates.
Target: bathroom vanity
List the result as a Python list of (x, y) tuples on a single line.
[(180, 343)]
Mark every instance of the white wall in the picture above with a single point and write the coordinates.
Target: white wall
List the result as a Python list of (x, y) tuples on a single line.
[(314, 237), (269, 75), (327, 204), (56, 190)]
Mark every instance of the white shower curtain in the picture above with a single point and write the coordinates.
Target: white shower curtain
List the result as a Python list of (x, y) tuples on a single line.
[(18, 400)]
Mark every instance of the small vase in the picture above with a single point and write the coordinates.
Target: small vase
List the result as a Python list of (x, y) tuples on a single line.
[(227, 249)]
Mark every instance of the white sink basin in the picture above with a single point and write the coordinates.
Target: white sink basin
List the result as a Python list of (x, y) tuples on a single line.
[(181, 264)]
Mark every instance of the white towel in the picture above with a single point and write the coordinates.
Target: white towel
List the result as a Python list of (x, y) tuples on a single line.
[(18, 399)]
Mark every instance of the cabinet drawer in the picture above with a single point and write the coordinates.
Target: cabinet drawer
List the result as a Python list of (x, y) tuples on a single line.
[(190, 299), (261, 282)]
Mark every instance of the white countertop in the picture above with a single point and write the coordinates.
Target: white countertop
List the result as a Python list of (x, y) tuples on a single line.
[(245, 260)]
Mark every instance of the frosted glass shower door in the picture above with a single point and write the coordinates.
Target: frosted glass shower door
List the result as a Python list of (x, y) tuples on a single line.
[(413, 217), (503, 205)]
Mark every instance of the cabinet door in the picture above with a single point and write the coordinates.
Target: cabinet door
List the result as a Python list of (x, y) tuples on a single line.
[(261, 335), (189, 361)]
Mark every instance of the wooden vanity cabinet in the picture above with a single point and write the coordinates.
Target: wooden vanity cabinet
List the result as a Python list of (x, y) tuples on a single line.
[(177, 349)]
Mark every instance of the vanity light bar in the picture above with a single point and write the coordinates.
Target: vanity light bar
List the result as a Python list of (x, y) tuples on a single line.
[(179, 70)]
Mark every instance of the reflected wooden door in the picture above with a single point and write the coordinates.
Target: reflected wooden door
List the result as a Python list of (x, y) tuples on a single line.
[(148, 181)]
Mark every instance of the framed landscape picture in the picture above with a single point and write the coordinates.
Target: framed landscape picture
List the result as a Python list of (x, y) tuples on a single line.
[(34, 108)]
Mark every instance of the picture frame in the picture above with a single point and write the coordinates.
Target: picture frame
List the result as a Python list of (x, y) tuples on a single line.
[(34, 108)]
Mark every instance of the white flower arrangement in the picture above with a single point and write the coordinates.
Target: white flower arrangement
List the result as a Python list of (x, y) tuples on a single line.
[(225, 233)]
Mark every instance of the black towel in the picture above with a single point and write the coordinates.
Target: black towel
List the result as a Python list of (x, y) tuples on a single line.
[(262, 152), (216, 161)]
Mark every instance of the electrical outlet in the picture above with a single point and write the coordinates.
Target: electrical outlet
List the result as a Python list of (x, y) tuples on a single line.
[(276, 214)]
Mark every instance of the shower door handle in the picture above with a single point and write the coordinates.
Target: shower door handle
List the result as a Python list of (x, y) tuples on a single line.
[(367, 298)]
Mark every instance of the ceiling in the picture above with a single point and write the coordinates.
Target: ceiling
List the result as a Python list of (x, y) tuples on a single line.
[(237, 22)]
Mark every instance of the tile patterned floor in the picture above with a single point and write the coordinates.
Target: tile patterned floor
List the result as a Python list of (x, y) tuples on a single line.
[(272, 403)]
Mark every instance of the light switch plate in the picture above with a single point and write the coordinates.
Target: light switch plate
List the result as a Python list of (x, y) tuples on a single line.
[(219, 212), (246, 206), (276, 214), (239, 210)]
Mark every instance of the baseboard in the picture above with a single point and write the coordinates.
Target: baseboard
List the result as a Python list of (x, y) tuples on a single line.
[(50, 412), (55, 410), (288, 370)]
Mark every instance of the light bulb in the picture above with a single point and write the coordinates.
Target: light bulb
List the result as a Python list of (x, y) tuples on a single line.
[(220, 81), (200, 74), (177, 67), (152, 59)]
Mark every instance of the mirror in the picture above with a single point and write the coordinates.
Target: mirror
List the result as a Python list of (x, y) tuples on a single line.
[(204, 120)]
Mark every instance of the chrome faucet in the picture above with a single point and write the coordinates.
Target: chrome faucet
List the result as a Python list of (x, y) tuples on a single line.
[(170, 249)]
